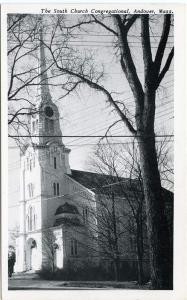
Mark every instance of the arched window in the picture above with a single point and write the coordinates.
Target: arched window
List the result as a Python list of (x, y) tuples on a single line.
[(37, 124), (31, 219), (54, 162), (85, 215), (30, 166), (58, 193), (33, 126), (30, 190), (56, 189)]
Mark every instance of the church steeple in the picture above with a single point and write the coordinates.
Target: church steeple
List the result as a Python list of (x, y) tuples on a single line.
[(44, 84), (46, 124)]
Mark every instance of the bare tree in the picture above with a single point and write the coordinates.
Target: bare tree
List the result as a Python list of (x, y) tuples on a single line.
[(28, 73), (22, 31), (142, 125), (164, 150), (49, 249), (129, 190), (131, 162), (123, 161), (83, 70)]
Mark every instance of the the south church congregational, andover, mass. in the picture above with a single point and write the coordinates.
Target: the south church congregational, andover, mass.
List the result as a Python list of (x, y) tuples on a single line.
[(58, 206)]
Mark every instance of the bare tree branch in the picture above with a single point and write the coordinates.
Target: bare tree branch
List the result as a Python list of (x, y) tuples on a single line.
[(163, 42), (166, 67)]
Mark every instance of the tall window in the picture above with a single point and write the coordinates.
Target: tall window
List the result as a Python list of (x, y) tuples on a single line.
[(37, 124), (56, 189), (74, 247), (85, 215), (33, 126), (34, 223), (30, 190), (31, 219), (54, 162), (30, 165)]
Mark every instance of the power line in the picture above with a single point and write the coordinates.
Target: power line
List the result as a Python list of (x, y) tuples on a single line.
[(92, 108), (161, 105), (166, 114), (107, 35), (99, 44), (108, 124), (91, 34), (109, 46), (124, 101), (104, 128), (94, 144), (90, 136)]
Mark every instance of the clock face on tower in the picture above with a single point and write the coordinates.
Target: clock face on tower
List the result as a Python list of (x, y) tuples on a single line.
[(48, 111)]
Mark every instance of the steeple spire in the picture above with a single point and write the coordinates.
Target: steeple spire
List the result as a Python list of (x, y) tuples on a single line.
[(48, 122), (45, 92)]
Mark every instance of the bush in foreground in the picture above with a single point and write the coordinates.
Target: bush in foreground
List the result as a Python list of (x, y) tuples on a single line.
[(87, 273)]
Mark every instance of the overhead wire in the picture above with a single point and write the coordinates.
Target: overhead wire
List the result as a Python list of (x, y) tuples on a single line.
[(159, 106)]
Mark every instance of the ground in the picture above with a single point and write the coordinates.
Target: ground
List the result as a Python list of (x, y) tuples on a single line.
[(33, 282)]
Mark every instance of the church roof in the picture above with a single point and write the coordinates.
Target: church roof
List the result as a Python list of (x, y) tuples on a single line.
[(101, 183)]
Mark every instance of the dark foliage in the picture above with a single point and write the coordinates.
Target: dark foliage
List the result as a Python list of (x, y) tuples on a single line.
[(128, 272)]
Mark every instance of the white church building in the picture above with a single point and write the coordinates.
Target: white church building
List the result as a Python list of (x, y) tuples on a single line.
[(58, 206), (53, 206)]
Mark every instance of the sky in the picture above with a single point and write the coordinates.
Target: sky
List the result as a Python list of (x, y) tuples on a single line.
[(85, 111)]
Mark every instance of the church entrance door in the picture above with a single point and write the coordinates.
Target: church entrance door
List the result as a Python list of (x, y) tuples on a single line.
[(31, 257)]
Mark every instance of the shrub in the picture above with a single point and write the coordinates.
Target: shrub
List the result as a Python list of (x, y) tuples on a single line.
[(73, 273), (46, 273), (89, 273)]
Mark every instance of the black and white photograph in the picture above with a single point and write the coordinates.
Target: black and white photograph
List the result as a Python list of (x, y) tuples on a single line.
[(90, 149)]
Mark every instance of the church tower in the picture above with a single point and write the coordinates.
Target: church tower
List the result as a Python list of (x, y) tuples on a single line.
[(43, 166), (45, 125)]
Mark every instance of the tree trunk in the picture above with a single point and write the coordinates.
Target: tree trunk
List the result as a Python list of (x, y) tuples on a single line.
[(139, 238), (158, 233), (140, 270), (117, 260), (116, 269)]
